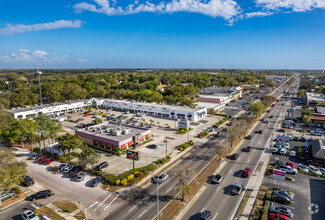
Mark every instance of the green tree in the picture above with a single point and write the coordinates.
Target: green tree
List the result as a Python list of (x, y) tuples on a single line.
[(303, 132), (98, 121), (24, 97), (306, 115), (11, 171), (184, 176), (257, 108), (44, 125), (88, 157), (69, 142), (301, 93), (267, 100)]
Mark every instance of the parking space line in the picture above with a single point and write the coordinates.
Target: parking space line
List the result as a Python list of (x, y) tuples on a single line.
[(142, 213), (93, 204), (215, 216), (110, 203), (248, 160), (132, 208), (169, 189), (102, 202), (230, 171)]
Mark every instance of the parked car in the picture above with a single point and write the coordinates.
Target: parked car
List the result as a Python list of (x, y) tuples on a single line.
[(314, 163), (86, 115), (205, 215), (234, 156), (247, 172), (62, 166), (34, 156), (101, 165), (28, 181), (48, 160), (80, 119), (281, 130), (295, 139), (314, 170), (42, 159), (29, 215), (283, 151), (292, 153), (281, 199), (81, 176), (275, 150), (237, 188), (282, 210), (68, 168), (303, 168), (41, 194), (96, 181), (6, 194), (217, 178), (322, 170), (277, 216), (283, 193), (288, 169), (152, 146)]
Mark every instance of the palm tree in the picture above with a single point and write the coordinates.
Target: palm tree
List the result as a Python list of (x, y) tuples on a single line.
[(303, 132), (184, 176)]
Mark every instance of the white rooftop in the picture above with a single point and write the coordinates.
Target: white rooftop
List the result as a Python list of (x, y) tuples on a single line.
[(315, 96)]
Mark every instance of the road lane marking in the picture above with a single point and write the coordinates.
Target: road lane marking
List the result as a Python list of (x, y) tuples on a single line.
[(132, 208), (35, 206), (217, 189), (215, 216), (110, 203), (230, 171), (248, 160), (142, 213), (102, 202), (93, 204), (169, 189)]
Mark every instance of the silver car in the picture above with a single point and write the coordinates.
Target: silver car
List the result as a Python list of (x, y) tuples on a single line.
[(7, 195), (81, 176), (282, 210)]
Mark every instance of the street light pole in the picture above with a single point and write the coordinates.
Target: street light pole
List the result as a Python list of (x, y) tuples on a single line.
[(157, 197), (165, 141)]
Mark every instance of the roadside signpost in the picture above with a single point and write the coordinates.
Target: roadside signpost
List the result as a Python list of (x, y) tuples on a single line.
[(133, 155), (279, 175)]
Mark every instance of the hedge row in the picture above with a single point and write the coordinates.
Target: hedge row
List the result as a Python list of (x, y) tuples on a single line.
[(312, 174), (203, 134), (216, 125)]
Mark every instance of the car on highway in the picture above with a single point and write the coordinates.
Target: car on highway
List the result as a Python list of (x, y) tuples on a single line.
[(48, 160), (247, 172), (68, 168), (6, 194), (152, 146), (41, 194), (248, 149), (237, 188), (314, 170), (29, 215), (282, 210), (281, 199), (160, 178), (266, 121), (284, 193), (217, 178), (234, 156), (28, 181), (314, 163), (101, 166), (303, 168), (81, 176), (259, 131), (288, 169), (248, 137), (205, 215), (271, 116), (277, 216), (95, 181)]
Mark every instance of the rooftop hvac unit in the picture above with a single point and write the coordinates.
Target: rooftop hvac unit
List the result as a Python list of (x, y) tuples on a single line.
[(117, 133), (126, 131)]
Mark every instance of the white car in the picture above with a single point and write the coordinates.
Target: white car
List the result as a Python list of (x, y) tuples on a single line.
[(29, 215), (292, 153), (288, 169), (274, 150), (62, 166), (322, 170), (314, 170), (283, 151), (303, 168), (68, 168)]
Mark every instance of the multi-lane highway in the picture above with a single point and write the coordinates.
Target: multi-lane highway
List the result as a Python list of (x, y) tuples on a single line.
[(142, 203)]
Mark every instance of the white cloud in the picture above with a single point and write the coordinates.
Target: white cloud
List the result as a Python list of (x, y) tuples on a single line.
[(21, 28), (294, 5), (257, 14), (213, 8)]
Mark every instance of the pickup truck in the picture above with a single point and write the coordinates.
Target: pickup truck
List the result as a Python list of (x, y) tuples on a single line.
[(237, 188), (217, 178)]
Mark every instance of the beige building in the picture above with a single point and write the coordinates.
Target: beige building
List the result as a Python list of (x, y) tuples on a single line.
[(313, 99), (250, 87)]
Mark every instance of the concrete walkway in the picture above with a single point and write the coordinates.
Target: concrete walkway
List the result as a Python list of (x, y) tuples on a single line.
[(67, 216)]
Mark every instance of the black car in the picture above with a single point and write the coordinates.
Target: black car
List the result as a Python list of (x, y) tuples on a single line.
[(234, 156), (95, 181), (295, 139), (80, 119), (248, 149), (152, 146), (41, 194), (259, 131), (205, 215), (281, 130), (271, 116), (217, 134), (281, 199), (101, 165), (28, 181), (303, 139), (74, 171), (248, 137)]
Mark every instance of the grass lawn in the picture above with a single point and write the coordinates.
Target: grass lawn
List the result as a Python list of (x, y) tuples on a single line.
[(66, 206), (80, 216), (13, 200), (49, 213)]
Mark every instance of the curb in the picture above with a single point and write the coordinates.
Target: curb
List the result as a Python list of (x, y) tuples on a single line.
[(1, 209)]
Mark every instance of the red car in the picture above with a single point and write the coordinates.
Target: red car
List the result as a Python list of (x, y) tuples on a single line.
[(42, 159), (276, 216), (86, 115), (313, 163), (291, 165), (247, 172), (48, 160)]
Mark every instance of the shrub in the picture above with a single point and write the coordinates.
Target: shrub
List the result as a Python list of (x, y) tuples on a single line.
[(290, 178), (151, 167), (74, 154), (111, 179), (97, 172), (124, 182), (130, 177), (117, 182), (17, 190)]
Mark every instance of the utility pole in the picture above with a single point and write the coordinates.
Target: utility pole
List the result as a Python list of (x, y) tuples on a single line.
[(38, 73), (157, 197), (165, 141)]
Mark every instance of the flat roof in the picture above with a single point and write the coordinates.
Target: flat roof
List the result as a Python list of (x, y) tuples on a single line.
[(153, 104), (210, 105), (38, 107), (134, 131), (315, 96)]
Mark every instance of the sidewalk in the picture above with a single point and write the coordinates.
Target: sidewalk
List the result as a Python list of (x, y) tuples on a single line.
[(67, 216)]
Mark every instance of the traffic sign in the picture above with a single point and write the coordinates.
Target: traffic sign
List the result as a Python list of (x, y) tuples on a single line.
[(279, 174)]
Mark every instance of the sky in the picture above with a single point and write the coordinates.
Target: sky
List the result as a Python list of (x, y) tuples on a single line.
[(237, 34)]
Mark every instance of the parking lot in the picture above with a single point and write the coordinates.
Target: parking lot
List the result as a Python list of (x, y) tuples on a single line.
[(164, 130), (308, 190)]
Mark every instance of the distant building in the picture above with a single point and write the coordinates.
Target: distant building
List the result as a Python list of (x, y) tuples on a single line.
[(313, 99), (113, 137), (250, 87), (318, 149), (275, 77), (216, 106)]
